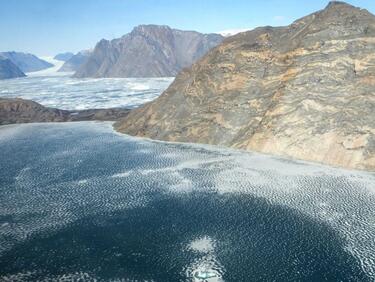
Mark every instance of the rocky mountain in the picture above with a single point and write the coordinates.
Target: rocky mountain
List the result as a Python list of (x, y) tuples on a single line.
[(75, 62), (26, 62), (64, 56), (148, 51), (8, 69), (305, 91), (15, 110)]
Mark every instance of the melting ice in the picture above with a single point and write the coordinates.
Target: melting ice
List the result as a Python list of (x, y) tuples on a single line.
[(127, 208), (61, 91)]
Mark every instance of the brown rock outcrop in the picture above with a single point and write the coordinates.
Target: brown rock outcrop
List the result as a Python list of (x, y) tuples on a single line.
[(24, 111), (305, 91)]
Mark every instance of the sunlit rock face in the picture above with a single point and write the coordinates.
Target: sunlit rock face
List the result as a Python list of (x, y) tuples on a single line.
[(305, 91)]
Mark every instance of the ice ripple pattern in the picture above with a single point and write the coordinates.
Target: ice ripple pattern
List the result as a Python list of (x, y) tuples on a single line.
[(53, 183)]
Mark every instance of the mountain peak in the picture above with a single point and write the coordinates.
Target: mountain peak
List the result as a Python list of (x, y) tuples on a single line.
[(151, 26), (337, 19), (148, 51), (103, 42), (339, 5), (144, 28), (301, 91)]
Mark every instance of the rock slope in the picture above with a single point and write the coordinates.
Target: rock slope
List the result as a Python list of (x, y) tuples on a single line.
[(8, 69), (76, 61), (26, 62), (24, 111), (148, 51), (305, 91)]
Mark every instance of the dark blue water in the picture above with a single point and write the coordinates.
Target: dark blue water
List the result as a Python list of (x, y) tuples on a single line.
[(81, 202)]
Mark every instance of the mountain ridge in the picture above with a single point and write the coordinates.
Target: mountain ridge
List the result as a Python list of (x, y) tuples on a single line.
[(17, 110), (74, 62), (147, 51), (303, 91), (26, 62)]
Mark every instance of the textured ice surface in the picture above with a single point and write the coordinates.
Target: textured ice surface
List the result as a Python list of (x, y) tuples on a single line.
[(58, 90), (79, 200)]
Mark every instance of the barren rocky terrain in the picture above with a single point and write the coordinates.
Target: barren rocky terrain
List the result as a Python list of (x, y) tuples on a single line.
[(305, 91), (16, 110)]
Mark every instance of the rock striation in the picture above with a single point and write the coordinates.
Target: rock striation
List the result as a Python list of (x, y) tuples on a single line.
[(305, 91), (76, 61), (26, 62), (148, 51), (8, 69), (16, 110)]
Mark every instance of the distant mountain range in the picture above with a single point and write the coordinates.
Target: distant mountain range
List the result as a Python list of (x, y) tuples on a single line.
[(148, 51), (8, 69), (75, 61), (64, 56), (26, 62)]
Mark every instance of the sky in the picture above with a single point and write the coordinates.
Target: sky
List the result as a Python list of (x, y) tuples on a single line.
[(48, 27)]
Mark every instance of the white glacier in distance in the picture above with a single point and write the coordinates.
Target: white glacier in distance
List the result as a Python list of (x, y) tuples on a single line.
[(52, 71)]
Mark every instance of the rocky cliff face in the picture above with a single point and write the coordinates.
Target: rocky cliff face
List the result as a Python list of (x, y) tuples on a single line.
[(76, 61), (305, 91), (15, 110), (148, 51), (8, 69), (26, 62)]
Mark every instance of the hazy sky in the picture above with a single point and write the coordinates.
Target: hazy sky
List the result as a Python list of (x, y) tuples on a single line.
[(46, 27)]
